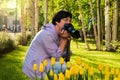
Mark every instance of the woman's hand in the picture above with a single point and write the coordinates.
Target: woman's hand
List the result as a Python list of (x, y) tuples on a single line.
[(64, 34)]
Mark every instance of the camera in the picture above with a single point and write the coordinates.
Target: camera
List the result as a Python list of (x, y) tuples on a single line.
[(70, 29)]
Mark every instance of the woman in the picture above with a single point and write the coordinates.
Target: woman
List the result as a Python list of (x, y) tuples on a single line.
[(49, 42)]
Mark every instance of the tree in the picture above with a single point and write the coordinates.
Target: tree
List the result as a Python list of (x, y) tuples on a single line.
[(23, 20), (94, 25), (32, 16), (36, 16), (83, 27), (46, 12), (98, 23), (115, 21), (107, 26)]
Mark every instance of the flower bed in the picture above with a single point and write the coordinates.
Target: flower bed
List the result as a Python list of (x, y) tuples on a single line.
[(77, 71)]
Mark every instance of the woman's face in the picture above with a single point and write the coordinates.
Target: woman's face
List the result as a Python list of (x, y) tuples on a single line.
[(62, 22)]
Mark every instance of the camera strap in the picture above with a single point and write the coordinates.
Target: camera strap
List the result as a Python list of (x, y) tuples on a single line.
[(67, 56)]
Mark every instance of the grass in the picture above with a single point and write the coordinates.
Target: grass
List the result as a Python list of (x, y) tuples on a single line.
[(95, 57), (11, 63)]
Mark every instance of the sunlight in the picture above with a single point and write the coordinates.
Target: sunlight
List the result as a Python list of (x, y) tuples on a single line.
[(11, 5)]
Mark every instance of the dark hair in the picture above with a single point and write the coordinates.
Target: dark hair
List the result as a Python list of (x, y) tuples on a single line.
[(60, 15)]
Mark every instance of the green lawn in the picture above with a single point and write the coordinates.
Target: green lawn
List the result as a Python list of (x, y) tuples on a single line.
[(11, 63), (95, 57)]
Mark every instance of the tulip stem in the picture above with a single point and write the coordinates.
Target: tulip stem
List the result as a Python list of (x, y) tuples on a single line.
[(61, 67)]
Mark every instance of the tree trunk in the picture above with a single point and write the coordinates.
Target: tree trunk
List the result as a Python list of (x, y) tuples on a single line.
[(36, 16), (46, 11), (107, 25), (23, 20), (115, 21), (98, 24), (94, 26), (83, 28), (32, 16)]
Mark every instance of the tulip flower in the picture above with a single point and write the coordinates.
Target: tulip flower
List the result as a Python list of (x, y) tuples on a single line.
[(91, 72), (81, 71), (107, 76), (35, 67), (106, 69), (51, 72), (72, 70), (117, 71), (45, 63), (100, 67), (68, 64), (55, 77), (52, 61), (86, 71), (78, 60), (86, 67), (61, 60), (41, 67), (112, 71), (61, 76), (67, 74)]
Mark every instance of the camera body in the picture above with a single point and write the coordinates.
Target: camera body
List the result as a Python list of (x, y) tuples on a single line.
[(70, 29)]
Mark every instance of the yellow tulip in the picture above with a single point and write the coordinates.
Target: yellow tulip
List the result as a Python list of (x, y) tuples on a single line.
[(112, 71), (76, 70), (61, 76), (81, 71), (107, 76), (117, 71), (51, 72), (35, 67), (41, 67), (83, 64), (106, 69), (100, 67), (52, 61), (91, 71), (67, 74), (68, 64), (72, 70), (86, 66), (45, 63), (55, 77), (78, 60), (61, 60)]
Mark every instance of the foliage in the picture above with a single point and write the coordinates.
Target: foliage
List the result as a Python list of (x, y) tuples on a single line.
[(7, 44), (18, 38), (116, 45)]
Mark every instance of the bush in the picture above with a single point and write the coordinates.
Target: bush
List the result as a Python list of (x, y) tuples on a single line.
[(116, 45), (7, 44), (18, 38)]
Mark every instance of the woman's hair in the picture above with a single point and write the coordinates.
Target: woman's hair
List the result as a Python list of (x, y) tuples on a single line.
[(60, 15)]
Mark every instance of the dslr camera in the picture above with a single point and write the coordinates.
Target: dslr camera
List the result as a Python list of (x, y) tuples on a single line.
[(70, 29)]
